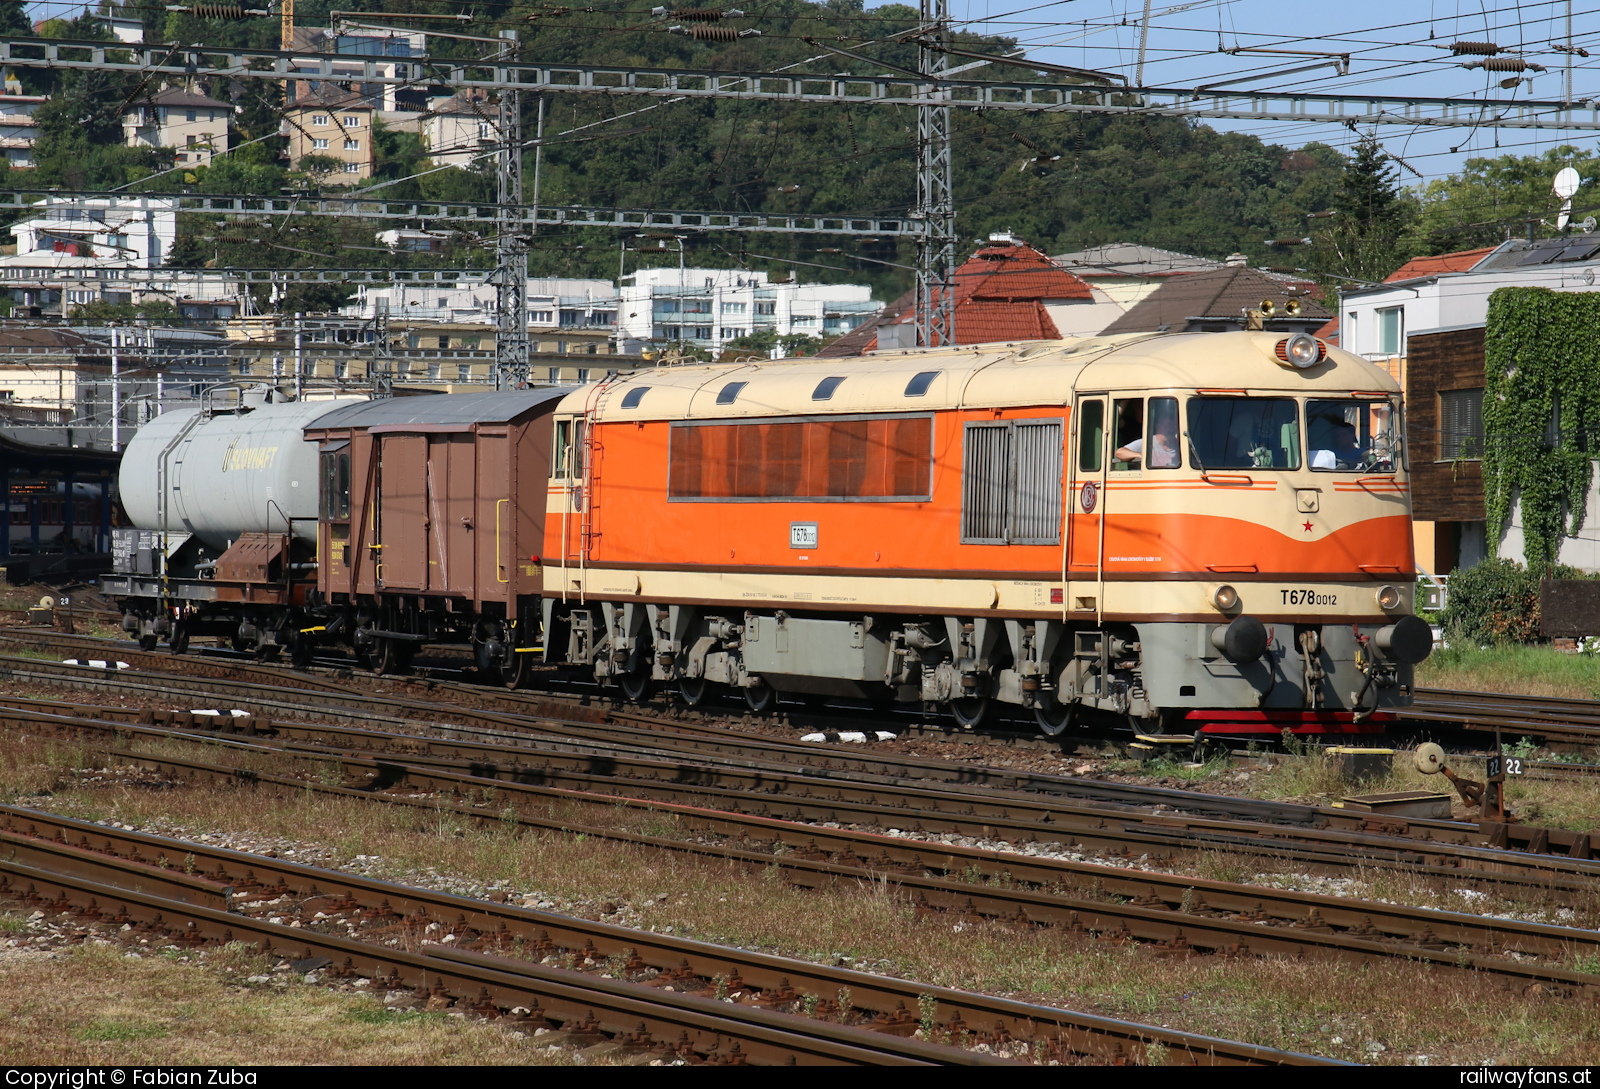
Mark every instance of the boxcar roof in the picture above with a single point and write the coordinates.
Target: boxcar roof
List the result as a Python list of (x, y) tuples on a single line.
[(453, 411), (975, 376)]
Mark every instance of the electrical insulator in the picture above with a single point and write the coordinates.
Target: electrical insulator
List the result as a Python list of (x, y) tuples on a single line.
[(1506, 64), (697, 15), (1474, 49), (219, 11), (713, 33)]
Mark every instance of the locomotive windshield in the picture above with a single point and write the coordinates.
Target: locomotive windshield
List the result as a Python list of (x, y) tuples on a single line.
[(1244, 433), (1353, 436)]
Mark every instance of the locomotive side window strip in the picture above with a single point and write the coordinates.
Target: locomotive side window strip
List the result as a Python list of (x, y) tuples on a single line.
[(1011, 482), (632, 398), (918, 386), (844, 458), (825, 388)]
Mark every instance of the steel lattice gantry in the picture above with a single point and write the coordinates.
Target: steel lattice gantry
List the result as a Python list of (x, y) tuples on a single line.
[(888, 90), (936, 249), (487, 215)]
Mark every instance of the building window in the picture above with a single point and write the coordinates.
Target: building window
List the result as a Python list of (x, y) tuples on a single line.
[(352, 145), (541, 317), (1391, 331), (766, 308), (583, 374), (352, 122), (805, 319), (702, 332), (1461, 424), (319, 119), (352, 168), (729, 334), (463, 372), (191, 140), (555, 374), (484, 132), (319, 145), (733, 308), (189, 115)]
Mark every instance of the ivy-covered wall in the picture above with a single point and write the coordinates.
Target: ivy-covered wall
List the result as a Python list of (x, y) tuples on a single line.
[(1541, 413)]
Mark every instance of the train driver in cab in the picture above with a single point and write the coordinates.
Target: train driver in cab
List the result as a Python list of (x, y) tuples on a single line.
[(1163, 438)]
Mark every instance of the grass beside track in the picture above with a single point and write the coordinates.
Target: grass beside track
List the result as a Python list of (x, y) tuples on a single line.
[(1319, 1006), (1520, 670), (95, 1004)]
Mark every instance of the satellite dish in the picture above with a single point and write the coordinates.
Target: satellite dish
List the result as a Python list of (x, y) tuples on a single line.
[(1566, 183)]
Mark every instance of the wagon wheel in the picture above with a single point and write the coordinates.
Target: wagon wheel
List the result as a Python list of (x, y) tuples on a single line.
[(760, 697), (148, 642), (519, 674), (692, 690), (393, 657), (1053, 717)]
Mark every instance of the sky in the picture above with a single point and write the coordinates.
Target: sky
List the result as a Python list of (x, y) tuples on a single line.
[(1397, 47)]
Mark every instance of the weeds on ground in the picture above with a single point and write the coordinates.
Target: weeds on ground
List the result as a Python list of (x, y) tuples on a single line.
[(1512, 667)]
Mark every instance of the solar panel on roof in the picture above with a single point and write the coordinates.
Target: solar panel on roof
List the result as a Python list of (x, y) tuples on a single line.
[(1544, 252), (1578, 249)]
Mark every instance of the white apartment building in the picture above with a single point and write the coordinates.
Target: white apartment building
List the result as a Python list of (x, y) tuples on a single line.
[(553, 303), (118, 232), (17, 126), (195, 125), (708, 307)]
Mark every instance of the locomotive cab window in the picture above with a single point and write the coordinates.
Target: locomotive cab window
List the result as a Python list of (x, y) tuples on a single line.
[(567, 457), (334, 493), (1353, 436), (1128, 436), (1091, 435), (1243, 433)]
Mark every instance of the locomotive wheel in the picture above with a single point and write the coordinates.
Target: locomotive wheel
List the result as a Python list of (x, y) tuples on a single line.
[(760, 697), (239, 645), (970, 712), (520, 672), (1053, 718), (692, 690), (148, 642), (637, 685)]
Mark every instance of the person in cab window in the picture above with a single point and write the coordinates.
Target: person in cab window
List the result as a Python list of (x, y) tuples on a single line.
[(1344, 449), (1163, 438)]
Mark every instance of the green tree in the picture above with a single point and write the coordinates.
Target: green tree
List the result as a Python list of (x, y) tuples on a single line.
[(1366, 238), (101, 312), (1491, 199)]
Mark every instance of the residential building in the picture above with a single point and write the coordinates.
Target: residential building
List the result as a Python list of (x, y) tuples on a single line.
[(459, 129), (17, 126), (1221, 299), (118, 232), (1426, 325), (194, 125), (336, 125), (708, 307), (393, 54)]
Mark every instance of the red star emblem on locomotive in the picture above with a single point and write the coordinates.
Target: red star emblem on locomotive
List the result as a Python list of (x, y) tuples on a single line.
[(1308, 527)]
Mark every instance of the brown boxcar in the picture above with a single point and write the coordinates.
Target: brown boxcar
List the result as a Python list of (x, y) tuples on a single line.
[(422, 537)]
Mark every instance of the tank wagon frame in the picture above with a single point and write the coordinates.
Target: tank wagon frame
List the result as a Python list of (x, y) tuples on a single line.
[(970, 528)]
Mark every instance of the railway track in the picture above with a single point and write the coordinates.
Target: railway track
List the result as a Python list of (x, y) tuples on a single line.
[(1174, 912), (644, 767), (1549, 718), (651, 994)]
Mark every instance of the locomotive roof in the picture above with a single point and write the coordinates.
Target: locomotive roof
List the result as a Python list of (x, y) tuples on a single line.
[(456, 410), (976, 376)]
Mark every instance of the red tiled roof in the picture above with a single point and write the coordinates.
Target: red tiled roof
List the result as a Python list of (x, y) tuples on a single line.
[(1419, 267), (1329, 332), (984, 321), (1006, 271)]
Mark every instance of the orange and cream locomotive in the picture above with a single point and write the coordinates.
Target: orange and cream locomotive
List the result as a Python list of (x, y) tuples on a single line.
[(1208, 529)]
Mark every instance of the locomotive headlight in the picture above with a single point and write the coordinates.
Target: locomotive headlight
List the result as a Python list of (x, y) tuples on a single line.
[(1389, 598), (1303, 350), (1225, 598)]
